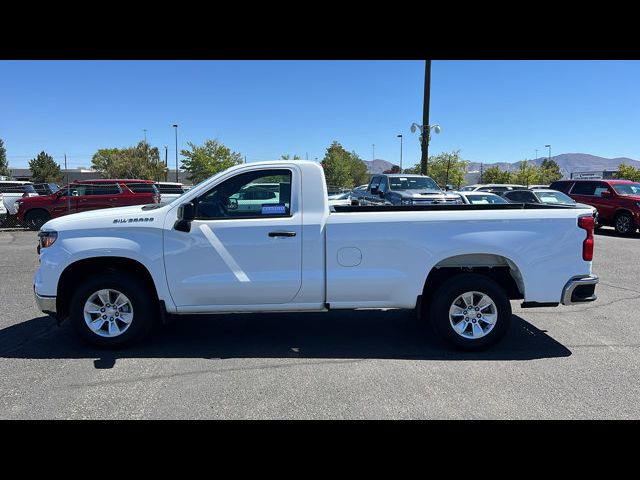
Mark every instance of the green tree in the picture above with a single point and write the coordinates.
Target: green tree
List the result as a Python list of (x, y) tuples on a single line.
[(526, 174), (286, 157), (448, 168), (140, 161), (44, 169), (204, 161), (338, 166), (359, 172), (627, 172), (496, 175), (549, 172), (4, 165)]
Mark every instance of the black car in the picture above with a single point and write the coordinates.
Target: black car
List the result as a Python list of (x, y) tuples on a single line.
[(401, 189)]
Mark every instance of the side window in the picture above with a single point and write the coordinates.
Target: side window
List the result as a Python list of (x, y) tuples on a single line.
[(383, 184), (102, 189), (375, 183), (584, 188), (263, 193), (601, 187)]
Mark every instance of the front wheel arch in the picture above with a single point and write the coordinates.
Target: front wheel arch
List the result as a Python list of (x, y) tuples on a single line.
[(74, 274)]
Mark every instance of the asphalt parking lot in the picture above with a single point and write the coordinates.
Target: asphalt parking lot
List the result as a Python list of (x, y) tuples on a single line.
[(577, 362)]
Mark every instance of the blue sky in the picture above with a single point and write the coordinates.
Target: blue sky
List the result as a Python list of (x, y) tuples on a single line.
[(492, 111)]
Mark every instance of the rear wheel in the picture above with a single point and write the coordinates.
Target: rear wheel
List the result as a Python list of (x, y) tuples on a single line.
[(624, 224), (470, 312), (112, 309), (36, 218)]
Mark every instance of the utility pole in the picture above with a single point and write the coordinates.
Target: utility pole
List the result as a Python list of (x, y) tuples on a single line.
[(424, 160), (400, 136), (481, 171), (166, 163), (68, 196), (176, 127)]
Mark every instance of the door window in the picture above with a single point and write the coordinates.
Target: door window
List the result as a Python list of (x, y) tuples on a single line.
[(584, 188), (262, 193)]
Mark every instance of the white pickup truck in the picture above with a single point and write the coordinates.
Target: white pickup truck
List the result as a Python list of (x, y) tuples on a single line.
[(115, 272)]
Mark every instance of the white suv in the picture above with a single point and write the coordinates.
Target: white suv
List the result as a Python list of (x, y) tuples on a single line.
[(14, 190)]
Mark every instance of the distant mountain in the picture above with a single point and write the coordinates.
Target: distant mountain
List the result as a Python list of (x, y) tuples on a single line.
[(377, 166), (568, 162)]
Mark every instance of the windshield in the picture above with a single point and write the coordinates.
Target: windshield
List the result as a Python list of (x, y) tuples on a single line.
[(485, 199), (413, 183), (555, 198), (627, 188)]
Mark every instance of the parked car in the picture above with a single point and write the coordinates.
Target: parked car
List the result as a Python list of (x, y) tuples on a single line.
[(113, 273), (401, 189), (3, 210), (546, 196), (14, 190), (491, 187), (617, 201), (86, 195), (169, 191), (344, 199), (481, 198), (46, 188)]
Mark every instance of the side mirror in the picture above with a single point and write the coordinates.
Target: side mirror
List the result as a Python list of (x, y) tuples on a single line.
[(374, 190), (605, 194), (448, 187), (186, 214)]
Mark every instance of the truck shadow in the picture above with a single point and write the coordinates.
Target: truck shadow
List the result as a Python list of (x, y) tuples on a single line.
[(336, 335)]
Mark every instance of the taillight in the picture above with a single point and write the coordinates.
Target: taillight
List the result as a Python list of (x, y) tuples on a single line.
[(588, 223)]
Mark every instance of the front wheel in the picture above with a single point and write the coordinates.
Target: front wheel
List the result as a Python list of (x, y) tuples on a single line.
[(112, 309), (470, 312), (36, 218)]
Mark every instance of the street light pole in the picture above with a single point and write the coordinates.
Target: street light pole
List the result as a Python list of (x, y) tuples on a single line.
[(176, 127), (374, 151), (536, 154), (400, 136), (549, 146)]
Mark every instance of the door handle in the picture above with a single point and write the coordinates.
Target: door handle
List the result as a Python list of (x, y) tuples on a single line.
[(282, 234)]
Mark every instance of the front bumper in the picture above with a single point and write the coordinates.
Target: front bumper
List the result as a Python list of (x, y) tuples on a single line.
[(45, 304), (580, 289)]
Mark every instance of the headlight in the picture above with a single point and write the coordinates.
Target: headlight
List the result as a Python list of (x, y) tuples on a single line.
[(47, 238), (406, 202)]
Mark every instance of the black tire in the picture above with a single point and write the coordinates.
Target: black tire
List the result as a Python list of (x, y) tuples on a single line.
[(36, 218), (444, 298), (623, 224), (143, 302)]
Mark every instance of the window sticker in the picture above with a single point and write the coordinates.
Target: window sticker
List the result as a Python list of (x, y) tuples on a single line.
[(274, 209)]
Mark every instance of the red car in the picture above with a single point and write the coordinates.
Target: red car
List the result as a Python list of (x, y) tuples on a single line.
[(617, 201), (85, 195)]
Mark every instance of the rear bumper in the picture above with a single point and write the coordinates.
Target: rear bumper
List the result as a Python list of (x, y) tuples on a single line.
[(580, 289), (46, 304)]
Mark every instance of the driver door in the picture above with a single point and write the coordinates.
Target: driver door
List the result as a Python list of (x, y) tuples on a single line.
[(243, 248)]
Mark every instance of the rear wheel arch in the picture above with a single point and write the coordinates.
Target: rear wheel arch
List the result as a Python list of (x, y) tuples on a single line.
[(502, 270), (74, 274)]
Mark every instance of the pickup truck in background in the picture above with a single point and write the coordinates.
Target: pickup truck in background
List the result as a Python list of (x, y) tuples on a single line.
[(401, 189), (85, 195), (115, 272), (14, 190)]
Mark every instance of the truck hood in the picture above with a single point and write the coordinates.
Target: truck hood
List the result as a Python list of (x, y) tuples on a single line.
[(426, 194), (110, 217)]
